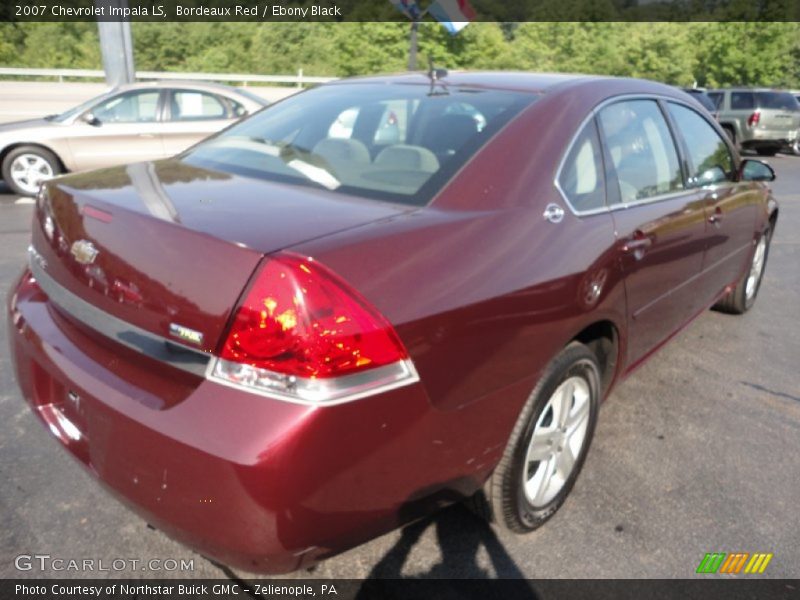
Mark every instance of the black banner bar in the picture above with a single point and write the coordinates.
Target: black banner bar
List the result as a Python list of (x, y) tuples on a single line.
[(382, 10), (742, 588)]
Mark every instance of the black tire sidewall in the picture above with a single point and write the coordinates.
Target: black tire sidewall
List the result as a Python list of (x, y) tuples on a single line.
[(578, 361)]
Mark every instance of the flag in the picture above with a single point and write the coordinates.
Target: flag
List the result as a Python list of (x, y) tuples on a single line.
[(409, 8), (454, 15)]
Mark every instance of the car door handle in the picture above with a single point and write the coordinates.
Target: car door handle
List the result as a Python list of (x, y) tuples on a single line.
[(716, 217), (147, 135), (637, 243)]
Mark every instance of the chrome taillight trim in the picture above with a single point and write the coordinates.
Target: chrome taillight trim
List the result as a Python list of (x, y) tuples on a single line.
[(319, 392)]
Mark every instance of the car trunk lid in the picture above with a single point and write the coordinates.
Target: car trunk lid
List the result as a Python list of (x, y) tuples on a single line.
[(168, 248)]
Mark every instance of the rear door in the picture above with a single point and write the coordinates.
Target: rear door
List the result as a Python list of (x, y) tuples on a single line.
[(730, 207), (191, 115), (660, 222), (125, 130)]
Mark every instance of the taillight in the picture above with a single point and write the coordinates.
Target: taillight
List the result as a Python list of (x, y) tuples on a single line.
[(301, 333), (753, 119)]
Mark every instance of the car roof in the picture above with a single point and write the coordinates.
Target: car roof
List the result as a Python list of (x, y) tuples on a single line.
[(501, 80), (208, 86), (519, 81), (749, 89)]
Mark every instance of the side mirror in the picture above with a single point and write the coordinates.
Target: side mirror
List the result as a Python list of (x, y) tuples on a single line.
[(755, 170), (91, 119)]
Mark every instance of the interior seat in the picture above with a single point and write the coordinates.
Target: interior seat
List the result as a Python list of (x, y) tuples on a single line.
[(448, 134), (407, 158), (336, 150)]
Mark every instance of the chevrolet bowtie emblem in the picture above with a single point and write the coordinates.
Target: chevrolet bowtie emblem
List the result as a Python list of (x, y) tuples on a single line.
[(84, 252)]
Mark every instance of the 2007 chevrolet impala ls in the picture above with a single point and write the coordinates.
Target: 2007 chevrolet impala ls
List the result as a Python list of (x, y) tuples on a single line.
[(298, 335)]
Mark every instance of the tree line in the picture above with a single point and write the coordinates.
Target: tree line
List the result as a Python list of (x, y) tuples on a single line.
[(709, 54)]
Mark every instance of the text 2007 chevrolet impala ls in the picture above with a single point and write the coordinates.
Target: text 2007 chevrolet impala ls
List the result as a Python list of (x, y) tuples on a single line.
[(296, 335)]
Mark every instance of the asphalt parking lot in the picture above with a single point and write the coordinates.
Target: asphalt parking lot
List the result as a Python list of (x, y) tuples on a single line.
[(695, 453)]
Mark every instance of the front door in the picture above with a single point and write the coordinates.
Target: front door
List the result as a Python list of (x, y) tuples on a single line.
[(125, 130), (730, 206), (661, 225)]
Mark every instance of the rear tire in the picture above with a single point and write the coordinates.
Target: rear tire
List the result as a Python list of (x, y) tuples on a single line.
[(26, 167), (548, 445), (768, 151), (741, 298)]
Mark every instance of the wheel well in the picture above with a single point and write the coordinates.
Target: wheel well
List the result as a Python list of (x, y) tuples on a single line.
[(730, 129), (602, 338), (4, 152), (773, 219)]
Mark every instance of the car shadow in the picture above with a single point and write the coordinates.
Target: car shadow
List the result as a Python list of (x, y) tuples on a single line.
[(460, 535)]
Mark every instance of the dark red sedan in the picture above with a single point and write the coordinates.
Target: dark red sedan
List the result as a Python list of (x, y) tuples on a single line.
[(297, 335)]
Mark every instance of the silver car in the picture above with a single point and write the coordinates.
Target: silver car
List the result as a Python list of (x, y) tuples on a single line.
[(763, 120), (141, 121)]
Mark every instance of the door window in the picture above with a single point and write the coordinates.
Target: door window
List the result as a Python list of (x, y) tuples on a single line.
[(641, 149), (716, 98), (743, 101), (711, 159), (130, 107), (191, 106), (581, 178)]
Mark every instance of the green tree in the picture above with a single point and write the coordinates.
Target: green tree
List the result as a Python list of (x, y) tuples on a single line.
[(747, 53)]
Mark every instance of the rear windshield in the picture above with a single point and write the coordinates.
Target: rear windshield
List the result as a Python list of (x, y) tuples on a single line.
[(399, 143), (777, 100)]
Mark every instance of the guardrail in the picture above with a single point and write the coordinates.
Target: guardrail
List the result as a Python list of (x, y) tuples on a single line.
[(299, 80)]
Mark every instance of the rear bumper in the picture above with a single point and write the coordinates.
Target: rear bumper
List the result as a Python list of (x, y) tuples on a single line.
[(253, 482), (769, 137)]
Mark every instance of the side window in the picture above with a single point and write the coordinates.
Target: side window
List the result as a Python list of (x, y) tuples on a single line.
[(191, 106), (462, 108), (581, 177), (743, 101), (392, 125), (642, 149), (711, 160), (342, 127), (716, 98), (130, 107)]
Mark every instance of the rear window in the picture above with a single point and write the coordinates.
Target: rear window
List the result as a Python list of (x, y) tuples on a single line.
[(777, 100), (399, 143)]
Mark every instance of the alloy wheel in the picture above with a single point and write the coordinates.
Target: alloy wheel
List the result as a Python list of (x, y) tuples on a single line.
[(29, 171), (756, 268), (557, 441)]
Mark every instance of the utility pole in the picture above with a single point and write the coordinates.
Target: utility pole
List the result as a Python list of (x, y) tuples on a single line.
[(412, 46), (116, 45)]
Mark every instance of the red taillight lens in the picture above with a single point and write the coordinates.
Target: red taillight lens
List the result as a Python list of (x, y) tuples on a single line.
[(754, 119), (299, 319)]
